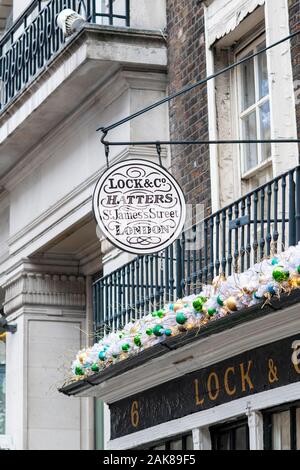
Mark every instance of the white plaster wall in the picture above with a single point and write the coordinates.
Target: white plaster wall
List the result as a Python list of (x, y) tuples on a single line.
[(4, 231), (53, 420), (19, 6), (152, 125), (147, 14), (38, 417), (65, 160), (68, 159), (15, 385)]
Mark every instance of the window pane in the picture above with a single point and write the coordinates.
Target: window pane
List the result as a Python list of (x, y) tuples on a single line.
[(250, 133), (248, 84), (265, 129), (224, 441), (176, 445), (281, 431), (162, 447), (241, 438), (263, 72), (189, 443), (298, 428)]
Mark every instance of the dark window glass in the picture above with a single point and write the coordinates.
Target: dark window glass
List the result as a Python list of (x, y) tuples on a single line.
[(282, 428), (233, 436), (241, 438), (184, 442)]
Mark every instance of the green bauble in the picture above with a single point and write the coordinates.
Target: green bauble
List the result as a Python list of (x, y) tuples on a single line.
[(157, 330), (298, 269), (168, 332), (149, 332), (137, 341), (160, 313), (198, 305), (280, 274), (125, 347), (211, 312), (79, 371), (220, 301), (95, 367), (154, 314), (181, 318), (102, 356)]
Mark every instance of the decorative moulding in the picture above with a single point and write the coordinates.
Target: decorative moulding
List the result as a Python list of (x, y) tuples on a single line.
[(51, 290)]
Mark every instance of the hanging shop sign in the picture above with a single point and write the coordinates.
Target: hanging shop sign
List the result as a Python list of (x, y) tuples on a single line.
[(139, 206), (259, 370)]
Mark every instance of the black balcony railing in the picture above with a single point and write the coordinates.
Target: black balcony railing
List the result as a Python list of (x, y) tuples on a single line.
[(35, 38), (261, 223)]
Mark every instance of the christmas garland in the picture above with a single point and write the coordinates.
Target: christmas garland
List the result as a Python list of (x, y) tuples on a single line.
[(267, 279)]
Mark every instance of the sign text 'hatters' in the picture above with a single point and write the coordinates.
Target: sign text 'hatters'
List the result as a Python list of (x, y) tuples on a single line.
[(139, 206)]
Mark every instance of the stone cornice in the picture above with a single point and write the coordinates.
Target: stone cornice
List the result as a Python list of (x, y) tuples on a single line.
[(61, 291)]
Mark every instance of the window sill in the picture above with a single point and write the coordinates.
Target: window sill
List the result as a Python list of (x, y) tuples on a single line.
[(253, 172)]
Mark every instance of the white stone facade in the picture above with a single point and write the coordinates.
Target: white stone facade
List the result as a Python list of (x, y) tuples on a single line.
[(51, 158)]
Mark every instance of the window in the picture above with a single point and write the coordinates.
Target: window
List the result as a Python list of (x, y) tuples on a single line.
[(177, 443), (254, 106), (233, 436), (2, 386), (282, 428)]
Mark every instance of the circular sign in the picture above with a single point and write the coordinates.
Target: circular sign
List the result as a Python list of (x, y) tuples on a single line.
[(139, 206)]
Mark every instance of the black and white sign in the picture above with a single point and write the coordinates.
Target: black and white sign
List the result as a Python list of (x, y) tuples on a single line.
[(139, 206)]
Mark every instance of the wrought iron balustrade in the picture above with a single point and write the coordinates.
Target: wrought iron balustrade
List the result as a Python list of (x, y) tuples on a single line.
[(35, 38), (259, 224)]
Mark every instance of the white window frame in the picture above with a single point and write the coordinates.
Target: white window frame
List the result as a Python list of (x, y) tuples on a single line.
[(251, 45)]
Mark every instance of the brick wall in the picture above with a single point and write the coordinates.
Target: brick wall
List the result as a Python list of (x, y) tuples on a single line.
[(189, 113), (294, 10)]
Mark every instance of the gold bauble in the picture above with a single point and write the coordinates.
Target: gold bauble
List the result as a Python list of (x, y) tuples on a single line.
[(178, 306), (230, 303), (294, 282), (123, 356), (189, 326), (82, 358), (3, 337)]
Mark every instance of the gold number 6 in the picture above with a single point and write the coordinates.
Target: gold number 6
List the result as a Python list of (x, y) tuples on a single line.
[(135, 418)]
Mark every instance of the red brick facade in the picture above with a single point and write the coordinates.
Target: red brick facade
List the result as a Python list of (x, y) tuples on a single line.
[(189, 113)]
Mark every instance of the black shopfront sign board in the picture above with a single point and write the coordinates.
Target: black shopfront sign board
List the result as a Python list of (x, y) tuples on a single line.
[(265, 368)]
